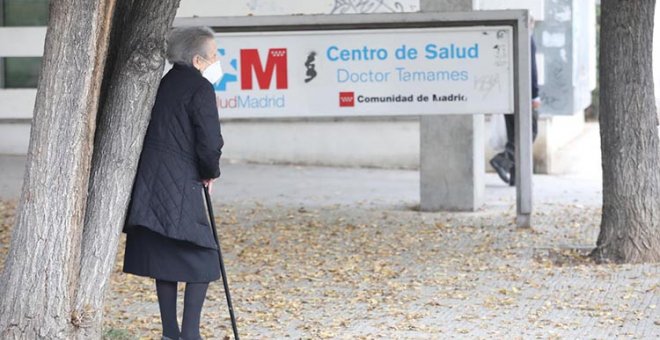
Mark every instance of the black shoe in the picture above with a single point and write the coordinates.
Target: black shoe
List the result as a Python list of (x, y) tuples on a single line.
[(499, 163)]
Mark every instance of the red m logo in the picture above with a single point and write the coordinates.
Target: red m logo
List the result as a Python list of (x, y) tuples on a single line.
[(275, 62)]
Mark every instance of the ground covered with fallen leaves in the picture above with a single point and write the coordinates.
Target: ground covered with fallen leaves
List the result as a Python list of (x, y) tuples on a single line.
[(343, 272)]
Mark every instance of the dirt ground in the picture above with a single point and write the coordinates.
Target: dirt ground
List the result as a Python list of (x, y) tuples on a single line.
[(351, 272)]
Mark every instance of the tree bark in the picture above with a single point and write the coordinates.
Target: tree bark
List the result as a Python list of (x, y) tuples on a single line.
[(42, 262), (132, 81), (630, 227)]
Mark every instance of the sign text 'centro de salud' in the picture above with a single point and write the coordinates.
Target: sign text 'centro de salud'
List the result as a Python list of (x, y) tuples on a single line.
[(371, 72)]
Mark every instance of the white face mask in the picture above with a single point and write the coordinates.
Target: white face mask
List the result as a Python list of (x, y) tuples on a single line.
[(213, 73)]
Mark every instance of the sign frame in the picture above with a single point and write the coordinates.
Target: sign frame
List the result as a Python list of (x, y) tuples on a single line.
[(384, 72), (517, 19)]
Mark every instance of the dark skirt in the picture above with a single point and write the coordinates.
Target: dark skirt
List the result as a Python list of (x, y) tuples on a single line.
[(153, 255)]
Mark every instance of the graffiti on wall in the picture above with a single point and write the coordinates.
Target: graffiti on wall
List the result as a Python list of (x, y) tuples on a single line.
[(368, 6), (210, 8)]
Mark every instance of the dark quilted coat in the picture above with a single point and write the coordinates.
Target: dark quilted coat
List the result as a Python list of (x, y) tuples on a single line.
[(182, 146)]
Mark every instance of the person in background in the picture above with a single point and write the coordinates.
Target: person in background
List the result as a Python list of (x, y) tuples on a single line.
[(168, 230), (504, 162)]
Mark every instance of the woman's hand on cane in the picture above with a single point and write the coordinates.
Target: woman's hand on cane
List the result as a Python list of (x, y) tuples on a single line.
[(208, 183)]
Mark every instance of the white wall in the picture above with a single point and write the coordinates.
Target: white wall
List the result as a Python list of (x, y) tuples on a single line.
[(14, 138), (210, 8), (17, 103), (22, 41), (535, 7), (371, 143)]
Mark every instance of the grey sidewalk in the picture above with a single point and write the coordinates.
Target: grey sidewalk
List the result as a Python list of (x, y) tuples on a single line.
[(322, 186)]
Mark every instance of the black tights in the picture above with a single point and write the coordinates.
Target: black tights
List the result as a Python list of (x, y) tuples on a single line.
[(192, 309)]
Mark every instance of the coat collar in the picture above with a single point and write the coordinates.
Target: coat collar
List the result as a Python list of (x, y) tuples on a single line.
[(187, 68)]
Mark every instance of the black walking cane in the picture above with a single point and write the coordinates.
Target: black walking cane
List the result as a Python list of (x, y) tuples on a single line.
[(209, 207)]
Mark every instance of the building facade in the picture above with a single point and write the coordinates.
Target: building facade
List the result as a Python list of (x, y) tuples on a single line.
[(565, 35)]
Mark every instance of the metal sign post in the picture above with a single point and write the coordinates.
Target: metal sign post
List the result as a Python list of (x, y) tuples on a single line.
[(523, 117)]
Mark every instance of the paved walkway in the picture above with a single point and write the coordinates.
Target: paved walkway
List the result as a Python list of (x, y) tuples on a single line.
[(323, 186)]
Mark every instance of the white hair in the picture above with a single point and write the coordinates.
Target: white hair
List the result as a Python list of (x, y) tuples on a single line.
[(184, 43)]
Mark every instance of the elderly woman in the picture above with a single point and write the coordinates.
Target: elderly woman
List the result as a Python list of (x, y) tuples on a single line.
[(169, 237)]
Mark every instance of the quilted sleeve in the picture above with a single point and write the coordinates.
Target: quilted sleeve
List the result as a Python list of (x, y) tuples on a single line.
[(208, 138)]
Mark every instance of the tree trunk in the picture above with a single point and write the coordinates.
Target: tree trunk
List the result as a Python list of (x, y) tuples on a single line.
[(630, 227), (42, 263), (134, 74)]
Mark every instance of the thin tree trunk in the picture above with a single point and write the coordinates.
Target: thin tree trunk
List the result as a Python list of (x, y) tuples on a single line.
[(135, 72), (42, 263), (630, 227)]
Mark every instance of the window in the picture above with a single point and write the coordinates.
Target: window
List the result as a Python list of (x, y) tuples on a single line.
[(24, 12), (20, 72)]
